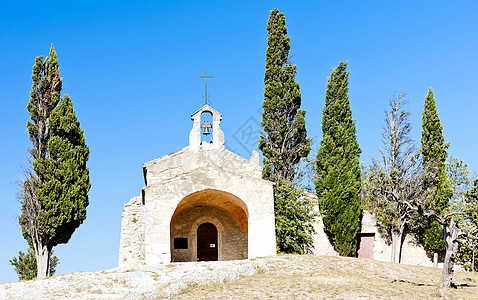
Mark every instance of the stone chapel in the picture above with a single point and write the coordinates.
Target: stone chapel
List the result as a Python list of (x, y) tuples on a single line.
[(200, 203)]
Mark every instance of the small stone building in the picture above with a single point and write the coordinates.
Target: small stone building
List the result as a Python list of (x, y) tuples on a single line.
[(372, 244), (202, 202)]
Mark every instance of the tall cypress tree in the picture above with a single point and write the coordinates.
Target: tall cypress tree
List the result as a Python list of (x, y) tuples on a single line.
[(285, 141), (338, 184), (435, 179), (54, 197)]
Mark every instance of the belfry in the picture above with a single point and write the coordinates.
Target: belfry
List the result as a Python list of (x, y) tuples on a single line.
[(200, 203)]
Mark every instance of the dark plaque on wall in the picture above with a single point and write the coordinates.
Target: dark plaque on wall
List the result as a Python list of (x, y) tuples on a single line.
[(180, 243)]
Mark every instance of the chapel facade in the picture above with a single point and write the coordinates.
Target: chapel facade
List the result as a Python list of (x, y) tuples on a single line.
[(200, 203)]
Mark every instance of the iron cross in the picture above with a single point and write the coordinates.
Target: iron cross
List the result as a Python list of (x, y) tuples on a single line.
[(205, 78)]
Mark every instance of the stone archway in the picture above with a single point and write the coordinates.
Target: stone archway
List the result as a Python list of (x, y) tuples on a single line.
[(225, 211)]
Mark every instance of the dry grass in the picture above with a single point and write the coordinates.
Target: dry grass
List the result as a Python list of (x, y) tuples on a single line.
[(317, 277), (97, 291)]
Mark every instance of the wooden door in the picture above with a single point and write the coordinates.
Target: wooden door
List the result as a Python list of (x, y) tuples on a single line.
[(365, 245), (207, 242)]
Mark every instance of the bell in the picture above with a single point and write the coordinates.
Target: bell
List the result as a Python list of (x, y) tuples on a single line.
[(206, 125)]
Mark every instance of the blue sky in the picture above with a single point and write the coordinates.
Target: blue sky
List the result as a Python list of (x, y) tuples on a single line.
[(131, 69)]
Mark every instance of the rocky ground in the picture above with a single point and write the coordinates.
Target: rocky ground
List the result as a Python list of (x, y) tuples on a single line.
[(281, 277), (145, 282)]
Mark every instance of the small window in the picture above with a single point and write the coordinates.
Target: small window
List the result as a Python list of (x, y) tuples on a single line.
[(180, 243)]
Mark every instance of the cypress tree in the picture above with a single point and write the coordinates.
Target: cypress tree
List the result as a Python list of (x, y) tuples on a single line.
[(435, 179), (285, 141), (338, 184), (54, 198), (63, 177)]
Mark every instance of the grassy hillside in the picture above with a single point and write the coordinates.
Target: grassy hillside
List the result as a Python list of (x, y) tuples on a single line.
[(281, 277), (317, 277)]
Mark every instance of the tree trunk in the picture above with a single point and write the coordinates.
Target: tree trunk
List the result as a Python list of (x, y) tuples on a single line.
[(451, 244), (397, 237), (395, 247), (435, 260), (473, 267), (42, 254)]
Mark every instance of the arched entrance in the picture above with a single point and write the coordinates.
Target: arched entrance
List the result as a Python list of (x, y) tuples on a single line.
[(209, 225), (207, 242)]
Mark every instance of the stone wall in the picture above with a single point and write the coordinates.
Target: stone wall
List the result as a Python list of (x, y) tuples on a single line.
[(411, 252), (162, 199), (321, 243), (232, 243), (131, 251), (185, 160), (236, 181)]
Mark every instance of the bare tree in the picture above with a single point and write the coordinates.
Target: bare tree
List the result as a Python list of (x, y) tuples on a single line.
[(396, 189), (451, 232), (395, 177), (454, 228)]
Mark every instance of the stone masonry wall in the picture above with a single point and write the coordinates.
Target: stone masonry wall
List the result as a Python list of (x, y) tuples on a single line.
[(232, 243), (172, 178), (162, 199), (131, 250), (185, 160), (321, 242), (411, 252)]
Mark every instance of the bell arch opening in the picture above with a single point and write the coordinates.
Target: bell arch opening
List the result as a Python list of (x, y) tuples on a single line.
[(225, 211), (207, 127)]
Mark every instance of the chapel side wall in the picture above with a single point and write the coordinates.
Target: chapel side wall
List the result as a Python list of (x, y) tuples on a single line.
[(131, 250)]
